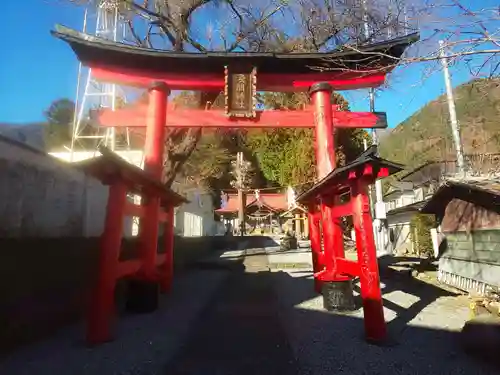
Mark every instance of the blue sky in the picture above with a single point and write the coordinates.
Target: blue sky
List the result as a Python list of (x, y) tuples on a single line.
[(38, 69)]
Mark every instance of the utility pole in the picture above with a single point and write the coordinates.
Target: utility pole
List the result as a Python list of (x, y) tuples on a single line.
[(455, 131), (379, 206), (241, 196), (378, 183)]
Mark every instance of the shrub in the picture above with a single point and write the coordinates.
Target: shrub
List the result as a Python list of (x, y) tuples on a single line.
[(420, 229)]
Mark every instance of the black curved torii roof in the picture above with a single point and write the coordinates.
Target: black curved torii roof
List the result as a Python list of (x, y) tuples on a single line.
[(94, 50)]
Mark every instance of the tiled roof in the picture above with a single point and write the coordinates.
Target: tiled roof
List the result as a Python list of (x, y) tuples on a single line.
[(275, 201)]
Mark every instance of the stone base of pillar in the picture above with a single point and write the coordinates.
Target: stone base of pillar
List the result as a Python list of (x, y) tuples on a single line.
[(338, 295), (142, 296)]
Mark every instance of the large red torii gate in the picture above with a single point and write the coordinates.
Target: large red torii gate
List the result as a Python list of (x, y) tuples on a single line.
[(236, 74)]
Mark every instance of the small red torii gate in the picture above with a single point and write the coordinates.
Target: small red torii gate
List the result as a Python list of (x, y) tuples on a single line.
[(150, 269), (236, 74), (333, 273)]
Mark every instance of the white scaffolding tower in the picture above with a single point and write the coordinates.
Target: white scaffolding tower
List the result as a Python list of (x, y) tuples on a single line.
[(102, 19)]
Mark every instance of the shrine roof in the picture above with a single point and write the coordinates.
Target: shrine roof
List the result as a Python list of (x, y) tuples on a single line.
[(108, 167), (294, 210), (94, 50), (338, 179), (274, 201)]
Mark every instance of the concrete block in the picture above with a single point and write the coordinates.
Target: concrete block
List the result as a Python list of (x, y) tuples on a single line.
[(493, 235), (462, 245), (476, 270), (458, 236), (484, 246)]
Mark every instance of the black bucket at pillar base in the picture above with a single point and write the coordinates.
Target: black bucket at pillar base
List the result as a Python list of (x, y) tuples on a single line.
[(142, 296), (338, 295)]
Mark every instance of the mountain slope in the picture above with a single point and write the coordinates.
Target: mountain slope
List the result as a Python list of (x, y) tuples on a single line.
[(426, 135)]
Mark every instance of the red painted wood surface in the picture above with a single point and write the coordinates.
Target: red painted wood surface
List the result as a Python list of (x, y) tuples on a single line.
[(323, 127), (325, 163), (349, 80), (345, 269), (342, 210), (348, 267), (371, 294), (137, 116), (168, 265), (146, 267), (102, 306), (155, 127), (315, 239), (153, 162)]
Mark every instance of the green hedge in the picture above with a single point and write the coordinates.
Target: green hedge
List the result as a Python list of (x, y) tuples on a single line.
[(420, 226)]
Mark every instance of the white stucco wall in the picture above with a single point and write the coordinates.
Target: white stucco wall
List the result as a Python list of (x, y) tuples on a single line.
[(399, 224), (41, 196), (196, 218), (399, 199)]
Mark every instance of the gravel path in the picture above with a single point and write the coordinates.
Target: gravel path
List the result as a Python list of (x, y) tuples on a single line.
[(248, 320), (143, 345), (423, 320), (240, 331)]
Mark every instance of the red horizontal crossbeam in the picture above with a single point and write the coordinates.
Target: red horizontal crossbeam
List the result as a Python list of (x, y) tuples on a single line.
[(340, 80), (128, 267), (348, 267), (342, 210), (343, 267), (138, 117)]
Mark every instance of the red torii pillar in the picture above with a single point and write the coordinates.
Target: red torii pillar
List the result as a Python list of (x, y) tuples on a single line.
[(371, 294), (153, 162), (314, 219), (145, 276), (325, 163), (102, 301)]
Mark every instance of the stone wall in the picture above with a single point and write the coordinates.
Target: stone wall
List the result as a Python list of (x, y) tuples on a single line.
[(45, 283), (41, 196), (474, 256)]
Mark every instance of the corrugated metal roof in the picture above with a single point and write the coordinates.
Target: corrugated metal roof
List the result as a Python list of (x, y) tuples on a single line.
[(490, 184), (414, 207)]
